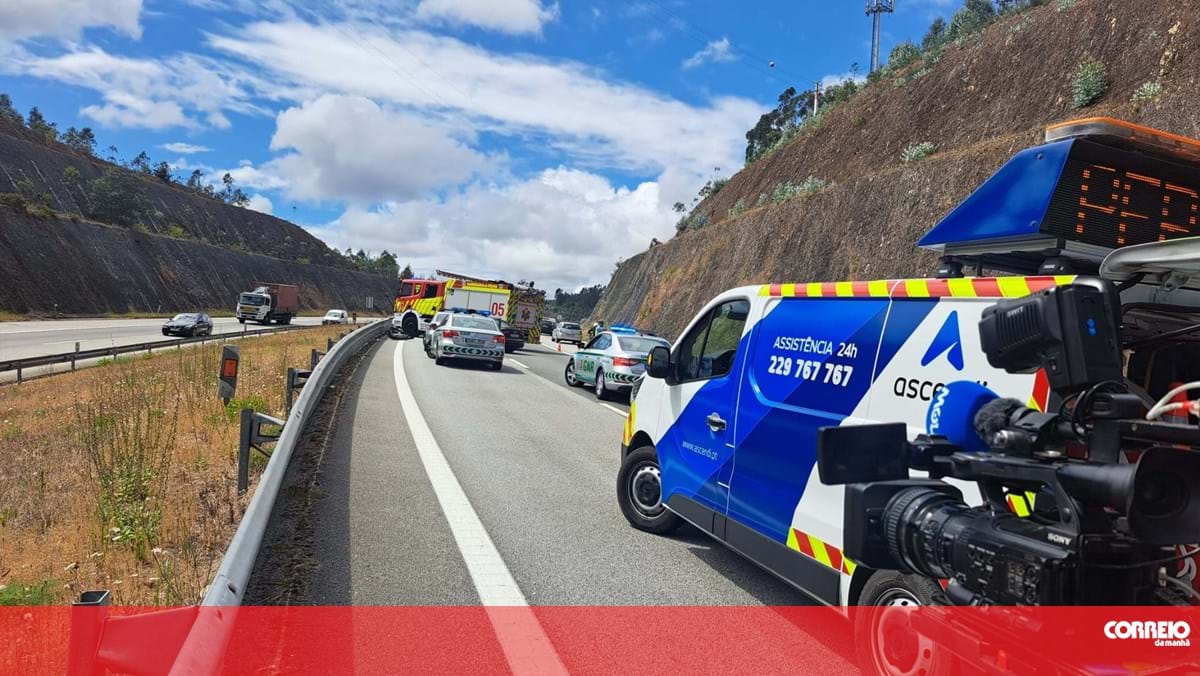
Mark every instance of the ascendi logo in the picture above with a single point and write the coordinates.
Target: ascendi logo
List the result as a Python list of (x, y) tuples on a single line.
[(1163, 633), (948, 342)]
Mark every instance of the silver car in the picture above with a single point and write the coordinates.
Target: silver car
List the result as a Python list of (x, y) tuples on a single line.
[(470, 337), (611, 362), (568, 332), (427, 337)]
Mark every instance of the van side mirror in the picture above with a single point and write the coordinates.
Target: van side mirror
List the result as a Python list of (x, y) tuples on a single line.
[(658, 362)]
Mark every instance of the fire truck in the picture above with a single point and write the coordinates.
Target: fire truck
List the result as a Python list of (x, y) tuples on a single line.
[(418, 300)]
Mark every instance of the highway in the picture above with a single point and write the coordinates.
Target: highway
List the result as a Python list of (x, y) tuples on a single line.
[(22, 339), (460, 486)]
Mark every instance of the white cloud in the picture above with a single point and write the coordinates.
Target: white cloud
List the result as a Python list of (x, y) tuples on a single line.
[(261, 203), (348, 147), (569, 226), (66, 19), (838, 78), (507, 16), (716, 51), (184, 148), (575, 108)]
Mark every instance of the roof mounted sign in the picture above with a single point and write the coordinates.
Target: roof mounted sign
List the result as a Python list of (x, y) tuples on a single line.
[(1097, 184)]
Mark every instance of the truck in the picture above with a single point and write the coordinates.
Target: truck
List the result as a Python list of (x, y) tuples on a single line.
[(418, 300), (268, 302), (525, 310)]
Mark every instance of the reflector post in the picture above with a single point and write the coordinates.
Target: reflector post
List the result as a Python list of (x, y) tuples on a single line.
[(228, 373)]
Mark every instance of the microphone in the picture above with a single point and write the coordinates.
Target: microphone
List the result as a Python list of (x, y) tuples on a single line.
[(955, 411), (997, 415)]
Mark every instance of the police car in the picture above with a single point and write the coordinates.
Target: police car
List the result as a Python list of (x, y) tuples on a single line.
[(611, 362), (722, 433)]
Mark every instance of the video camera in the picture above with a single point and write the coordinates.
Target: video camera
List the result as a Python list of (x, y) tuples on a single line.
[(1098, 531)]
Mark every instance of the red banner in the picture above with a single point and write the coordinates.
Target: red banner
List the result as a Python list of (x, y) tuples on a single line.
[(599, 640)]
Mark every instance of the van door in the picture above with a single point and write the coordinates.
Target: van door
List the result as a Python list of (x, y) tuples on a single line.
[(696, 453), (809, 366)]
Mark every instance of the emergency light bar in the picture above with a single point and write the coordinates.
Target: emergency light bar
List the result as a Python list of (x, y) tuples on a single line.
[(1098, 184), (623, 328), (468, 311)]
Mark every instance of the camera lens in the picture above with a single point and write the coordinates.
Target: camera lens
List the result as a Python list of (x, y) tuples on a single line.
[(1160, 495), (920, 528)]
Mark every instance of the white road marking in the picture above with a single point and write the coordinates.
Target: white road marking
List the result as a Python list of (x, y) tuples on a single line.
[(526, 647), (616, 410), (514, 361)]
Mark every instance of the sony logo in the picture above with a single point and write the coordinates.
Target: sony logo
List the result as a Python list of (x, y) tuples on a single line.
[(1058, 539)]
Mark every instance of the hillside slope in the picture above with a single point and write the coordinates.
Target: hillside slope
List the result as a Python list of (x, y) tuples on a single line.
[(979, 103), (85, 268), (200, 218)]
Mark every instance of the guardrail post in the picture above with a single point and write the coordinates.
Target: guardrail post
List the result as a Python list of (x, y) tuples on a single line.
[(252, 436), (295, 380), (243, 478), (314, 358), (329, 344), (87, 621), (18, 374), (74, 355)]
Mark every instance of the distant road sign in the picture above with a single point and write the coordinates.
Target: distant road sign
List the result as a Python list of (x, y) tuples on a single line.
[(370, 302)]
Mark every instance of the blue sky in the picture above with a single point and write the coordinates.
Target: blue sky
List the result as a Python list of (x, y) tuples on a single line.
[(518, 138)]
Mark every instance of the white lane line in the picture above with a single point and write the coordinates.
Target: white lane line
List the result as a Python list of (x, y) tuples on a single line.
[(526, 647), (514, 361), (616, 410)]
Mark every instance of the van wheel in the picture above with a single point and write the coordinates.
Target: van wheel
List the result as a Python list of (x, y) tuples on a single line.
[(886, 640), (639, 493)]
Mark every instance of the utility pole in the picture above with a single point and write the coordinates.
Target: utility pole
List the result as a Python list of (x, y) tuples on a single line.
[(816, 97), (874, 9)]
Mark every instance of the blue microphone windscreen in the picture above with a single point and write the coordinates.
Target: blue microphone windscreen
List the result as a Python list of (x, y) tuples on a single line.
[(952, 413)]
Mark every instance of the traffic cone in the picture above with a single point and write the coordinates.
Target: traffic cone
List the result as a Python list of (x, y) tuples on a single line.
[(559, 346)]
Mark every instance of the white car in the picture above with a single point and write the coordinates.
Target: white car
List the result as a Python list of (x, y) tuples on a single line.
[(568, 332), (336, 317)]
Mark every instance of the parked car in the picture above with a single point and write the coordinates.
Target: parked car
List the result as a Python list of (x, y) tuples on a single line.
[(548, 324), (470, 337), (336, 317), (611, 362), (514, 338), (568, 332), (188, 324), (427, 337)]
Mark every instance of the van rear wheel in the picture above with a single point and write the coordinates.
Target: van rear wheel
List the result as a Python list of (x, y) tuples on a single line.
[(639, 493), (883, 632)]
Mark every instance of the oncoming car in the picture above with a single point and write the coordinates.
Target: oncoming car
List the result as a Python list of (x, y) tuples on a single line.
[(336, 317), (611, 362), (188, 324), (468, 337)]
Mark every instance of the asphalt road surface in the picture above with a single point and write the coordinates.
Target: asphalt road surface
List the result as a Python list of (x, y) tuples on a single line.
[(19, 340), (461, 486)]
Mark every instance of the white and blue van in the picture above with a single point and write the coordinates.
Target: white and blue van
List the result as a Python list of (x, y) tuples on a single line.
[(722, 432)]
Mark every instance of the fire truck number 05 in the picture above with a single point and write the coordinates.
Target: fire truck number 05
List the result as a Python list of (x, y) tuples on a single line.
[(838, 374), (497, 309)]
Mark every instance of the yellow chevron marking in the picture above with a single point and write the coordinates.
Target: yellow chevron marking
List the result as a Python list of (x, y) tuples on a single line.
[(791, 543), (788, 290), (878, 288), (1063, 280), (818, 548), (848, 565), (1012, 287), (814, 289), (916, 288), (961, 287)]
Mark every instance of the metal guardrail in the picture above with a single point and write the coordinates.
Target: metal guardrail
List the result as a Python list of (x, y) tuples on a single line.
[(205, 645), (20, 365)]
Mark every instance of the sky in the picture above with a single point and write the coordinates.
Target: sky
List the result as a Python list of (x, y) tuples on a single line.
[(520, 139)]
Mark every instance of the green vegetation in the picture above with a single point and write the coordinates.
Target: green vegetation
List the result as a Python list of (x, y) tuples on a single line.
[(1089, 83), (115, 197), (914, 152), (787, 190), (737, 209), (574, 306), (233, 410), (1146, 93), (383, 264), (40, 594), (1063, 5)]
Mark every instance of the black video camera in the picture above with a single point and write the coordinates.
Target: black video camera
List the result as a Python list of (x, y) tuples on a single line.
[(1064, 522)]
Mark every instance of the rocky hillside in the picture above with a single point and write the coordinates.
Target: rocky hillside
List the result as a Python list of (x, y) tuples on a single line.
[(85, 268), (64, 176), (978, 101)]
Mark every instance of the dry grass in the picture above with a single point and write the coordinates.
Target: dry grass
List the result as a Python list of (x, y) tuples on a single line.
[(122, 477)]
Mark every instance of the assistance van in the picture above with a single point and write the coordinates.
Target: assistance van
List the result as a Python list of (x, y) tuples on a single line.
[(722, 433)]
